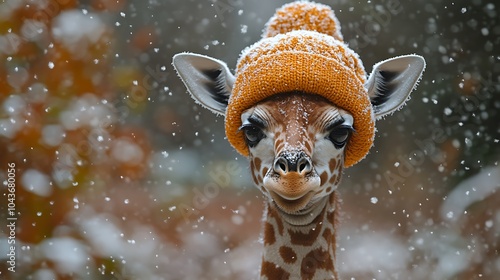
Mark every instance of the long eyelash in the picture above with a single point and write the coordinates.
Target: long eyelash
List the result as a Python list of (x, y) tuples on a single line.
[(351, 128), (254, 121), (244, 126), (334, 124)]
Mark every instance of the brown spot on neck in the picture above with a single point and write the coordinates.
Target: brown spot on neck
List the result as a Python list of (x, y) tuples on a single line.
[(309, 237), (288, 254), (314, 260), (269, 234), (327, 235), (272, 212), (273, 272), (332, 216)]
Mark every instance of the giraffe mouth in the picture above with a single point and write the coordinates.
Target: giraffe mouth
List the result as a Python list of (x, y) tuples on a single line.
[(296, 206), (292, 192)]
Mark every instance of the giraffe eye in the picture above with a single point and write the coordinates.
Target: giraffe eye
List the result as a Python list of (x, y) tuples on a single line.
[(339, 136), (253, 135)]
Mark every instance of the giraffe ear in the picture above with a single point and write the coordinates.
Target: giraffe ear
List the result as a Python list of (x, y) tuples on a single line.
[(207, 79), (391, 82)]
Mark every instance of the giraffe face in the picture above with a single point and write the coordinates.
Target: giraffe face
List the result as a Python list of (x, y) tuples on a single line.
[(296, 143)]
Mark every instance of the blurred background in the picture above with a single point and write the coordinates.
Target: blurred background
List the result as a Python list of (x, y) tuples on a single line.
[(120, 175)]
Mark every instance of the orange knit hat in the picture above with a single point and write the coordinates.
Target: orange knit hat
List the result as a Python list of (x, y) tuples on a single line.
[(302, 50)]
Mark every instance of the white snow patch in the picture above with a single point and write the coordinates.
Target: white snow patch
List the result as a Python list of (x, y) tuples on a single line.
[(52, 135), (244, 259), (126, 151), (175, 167), (14, 105), (36, 182), (65, 166), (10, 127), (87, 110), (17, 77), (446, 254), (9, 7), (68, 254), (201, 244), (373, 251), (75, 30), (140, 249), (469, 191), (41, 4), (44, 274), (103, 234), (34, 30), (237, 219), (37, 93)]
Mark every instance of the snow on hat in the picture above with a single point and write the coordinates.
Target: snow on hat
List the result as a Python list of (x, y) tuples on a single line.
[(302, 50)]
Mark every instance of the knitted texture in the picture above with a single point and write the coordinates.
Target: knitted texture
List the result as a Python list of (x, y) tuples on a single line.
[(303, 15), (297, 57)]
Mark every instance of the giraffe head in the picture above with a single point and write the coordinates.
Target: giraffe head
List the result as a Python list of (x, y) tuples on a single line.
[(296, 147), (300, 106)]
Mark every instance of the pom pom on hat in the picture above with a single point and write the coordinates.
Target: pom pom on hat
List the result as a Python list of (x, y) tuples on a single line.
[(303, 15), (302, 50)]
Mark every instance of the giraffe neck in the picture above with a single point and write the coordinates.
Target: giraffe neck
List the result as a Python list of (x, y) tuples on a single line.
[(301, 248)]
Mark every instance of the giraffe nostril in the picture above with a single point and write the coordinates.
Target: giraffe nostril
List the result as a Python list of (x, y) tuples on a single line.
[(281, 165), (304, 165), (298, 163)]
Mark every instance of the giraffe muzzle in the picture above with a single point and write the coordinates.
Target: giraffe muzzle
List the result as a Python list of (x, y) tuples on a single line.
[(293, 181)]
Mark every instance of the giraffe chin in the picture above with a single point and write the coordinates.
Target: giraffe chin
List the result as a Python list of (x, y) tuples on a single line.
[(306, 215), (296, 206)]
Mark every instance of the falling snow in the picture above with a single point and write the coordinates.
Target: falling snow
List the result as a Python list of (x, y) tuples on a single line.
[(120, 175), (36, 182)]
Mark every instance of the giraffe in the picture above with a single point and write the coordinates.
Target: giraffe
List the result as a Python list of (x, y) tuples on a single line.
[(300, 107)]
